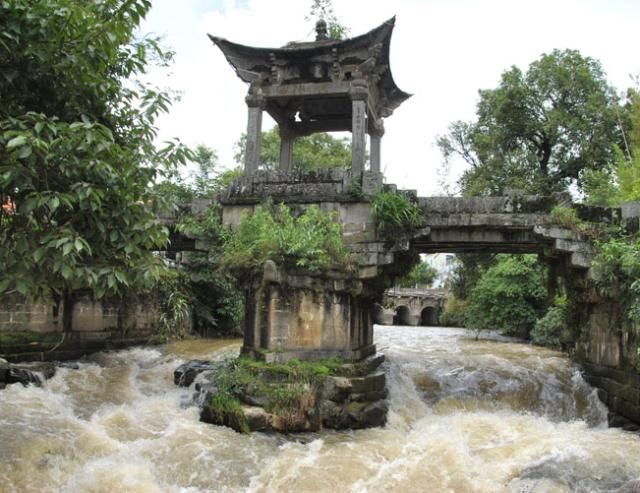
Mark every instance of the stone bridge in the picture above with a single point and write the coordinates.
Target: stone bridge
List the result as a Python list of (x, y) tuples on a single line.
[(514, 223), (338, 85), (410, 306), (298, 314), (289, 316)]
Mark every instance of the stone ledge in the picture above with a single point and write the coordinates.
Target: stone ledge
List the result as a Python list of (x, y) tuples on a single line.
[(302, 354)]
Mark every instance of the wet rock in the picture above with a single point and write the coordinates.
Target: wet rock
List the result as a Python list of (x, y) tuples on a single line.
[(45, 369), (252, 398), (273, 403), (185, 374), (257, 418), (4, 369), (25, 377), (362, 368), (233, 420), (630, 487), (371, 383), (370, 396), (355, 415), (28, 373), (336, 389)]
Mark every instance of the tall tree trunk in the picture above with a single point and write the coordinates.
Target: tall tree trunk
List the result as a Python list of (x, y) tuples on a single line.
[(68, 300), (123, 314)]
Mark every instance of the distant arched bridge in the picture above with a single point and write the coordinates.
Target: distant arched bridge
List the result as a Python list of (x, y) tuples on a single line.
[(410, 306)]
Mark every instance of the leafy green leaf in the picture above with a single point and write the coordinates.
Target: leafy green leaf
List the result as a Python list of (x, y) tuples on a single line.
[(16, 142)]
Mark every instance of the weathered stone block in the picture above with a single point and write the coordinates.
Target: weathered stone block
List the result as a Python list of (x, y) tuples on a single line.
[(368, 272), (364, 259), (581, 259), (336, 389), (370, 383)]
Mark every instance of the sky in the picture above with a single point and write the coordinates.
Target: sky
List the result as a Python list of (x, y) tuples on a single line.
[(442, 52)]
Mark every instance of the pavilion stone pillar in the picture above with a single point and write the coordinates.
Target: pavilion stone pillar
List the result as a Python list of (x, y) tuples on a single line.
[(359, 94), (256, 104), (287, 140), (376, 133)]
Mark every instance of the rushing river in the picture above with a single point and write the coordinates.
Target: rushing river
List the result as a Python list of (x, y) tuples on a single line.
[(465, 416)]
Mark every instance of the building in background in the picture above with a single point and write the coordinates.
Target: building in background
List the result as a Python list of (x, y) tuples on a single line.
[(445, 264)]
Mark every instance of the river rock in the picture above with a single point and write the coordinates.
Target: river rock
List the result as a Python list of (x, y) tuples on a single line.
[(257, 418), (336, 389), (354, 415), (4, 369), (185, 374), (352, 401), (362, 368), (370, 383), (27, 373)]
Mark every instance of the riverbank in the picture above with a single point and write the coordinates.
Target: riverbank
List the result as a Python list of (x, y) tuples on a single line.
[(61, 349)]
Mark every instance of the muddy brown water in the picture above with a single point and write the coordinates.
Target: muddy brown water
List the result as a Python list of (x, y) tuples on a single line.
[(465, 416)]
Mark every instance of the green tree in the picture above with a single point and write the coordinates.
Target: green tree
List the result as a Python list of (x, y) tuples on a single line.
[(509, 297), (538, 130), (421, 276), (469, 269), (319, 150), (206, 161), (621, 183), (77, 149), (215, 301)]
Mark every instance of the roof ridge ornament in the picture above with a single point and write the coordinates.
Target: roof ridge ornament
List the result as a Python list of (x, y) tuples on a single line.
[(321, 30)]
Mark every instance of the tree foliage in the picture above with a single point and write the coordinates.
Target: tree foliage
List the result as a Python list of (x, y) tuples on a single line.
[(319, 150), (539, 130), (312, 240), (421, 276), (76, 148), (620, 183), (216, 302), (617, 265), (509, 297), (469, 269), (551, 329)]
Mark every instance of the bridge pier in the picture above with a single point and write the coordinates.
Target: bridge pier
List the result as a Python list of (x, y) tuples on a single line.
[(296, 315)]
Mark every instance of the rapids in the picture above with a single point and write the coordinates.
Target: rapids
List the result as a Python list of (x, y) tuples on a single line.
[(465, 416)]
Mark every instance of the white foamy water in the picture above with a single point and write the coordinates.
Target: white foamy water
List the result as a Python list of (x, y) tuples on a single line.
[(465, 416)]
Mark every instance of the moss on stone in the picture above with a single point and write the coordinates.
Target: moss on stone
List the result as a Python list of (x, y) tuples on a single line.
[(287, 390), (28, 337)]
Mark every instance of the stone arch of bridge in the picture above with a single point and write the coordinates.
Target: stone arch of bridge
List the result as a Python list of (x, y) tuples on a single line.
[(429, 316), (403, 316)]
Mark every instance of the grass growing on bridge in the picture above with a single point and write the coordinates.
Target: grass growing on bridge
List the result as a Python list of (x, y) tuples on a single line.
[(395, 213), (311, 240)]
